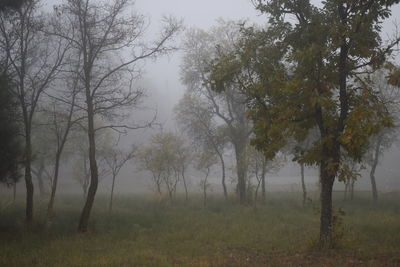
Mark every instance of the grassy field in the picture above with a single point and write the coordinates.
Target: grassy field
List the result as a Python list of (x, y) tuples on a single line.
[(144, 232)]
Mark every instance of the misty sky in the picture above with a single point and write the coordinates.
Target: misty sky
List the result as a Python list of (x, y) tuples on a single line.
[(163, 87)]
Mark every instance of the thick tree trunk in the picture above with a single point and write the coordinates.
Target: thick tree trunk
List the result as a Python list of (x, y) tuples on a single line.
[(303, 184), (241, 169), (94, 175), (373, 169), (326, 222)]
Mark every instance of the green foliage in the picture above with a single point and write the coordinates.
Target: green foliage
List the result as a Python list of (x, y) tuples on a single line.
[(308, 72)]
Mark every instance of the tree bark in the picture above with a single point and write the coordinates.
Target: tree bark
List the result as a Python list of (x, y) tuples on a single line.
[(50, 206), (221, 157), (303, 184), (326, 223), (185, 185), (94, 175), (205, 188), (112, 194), (28, 177), (373, 169), (241, 168)]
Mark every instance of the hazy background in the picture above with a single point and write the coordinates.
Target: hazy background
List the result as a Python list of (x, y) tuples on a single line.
[(163, 89)]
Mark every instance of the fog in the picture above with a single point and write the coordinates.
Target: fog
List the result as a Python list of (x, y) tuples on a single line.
[(163, 88), (199, 133)]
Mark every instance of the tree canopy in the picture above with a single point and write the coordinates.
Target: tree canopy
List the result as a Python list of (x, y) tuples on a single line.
[(310, 68)]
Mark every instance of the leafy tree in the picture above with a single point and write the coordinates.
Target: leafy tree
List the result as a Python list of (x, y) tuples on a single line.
[(196, 118), (389, 95), (167, 158), (308, 69), (229, 107)]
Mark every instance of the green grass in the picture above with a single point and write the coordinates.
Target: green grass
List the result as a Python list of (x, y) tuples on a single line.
[(144, 232)]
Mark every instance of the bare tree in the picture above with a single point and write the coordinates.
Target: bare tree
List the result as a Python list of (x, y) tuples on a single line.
[(205, 160), (115, 160), (34, 59), (101, 32), (259, 166)]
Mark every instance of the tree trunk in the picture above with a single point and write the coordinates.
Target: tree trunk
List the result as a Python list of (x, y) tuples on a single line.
[(221, 157), (352, 189), (94, 175), (39, 176), (50, 206), (373, 169), (256, 193), (303, 184), (205, 188), (241, 169), (28, 178), (112, 194), (14, 192), (263, 188), (326, 222), (184, 184)]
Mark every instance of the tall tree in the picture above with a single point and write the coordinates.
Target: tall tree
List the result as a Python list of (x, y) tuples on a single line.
[(229, 107), (100, 31), (33, 59), (389, 95), (308, 70)]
